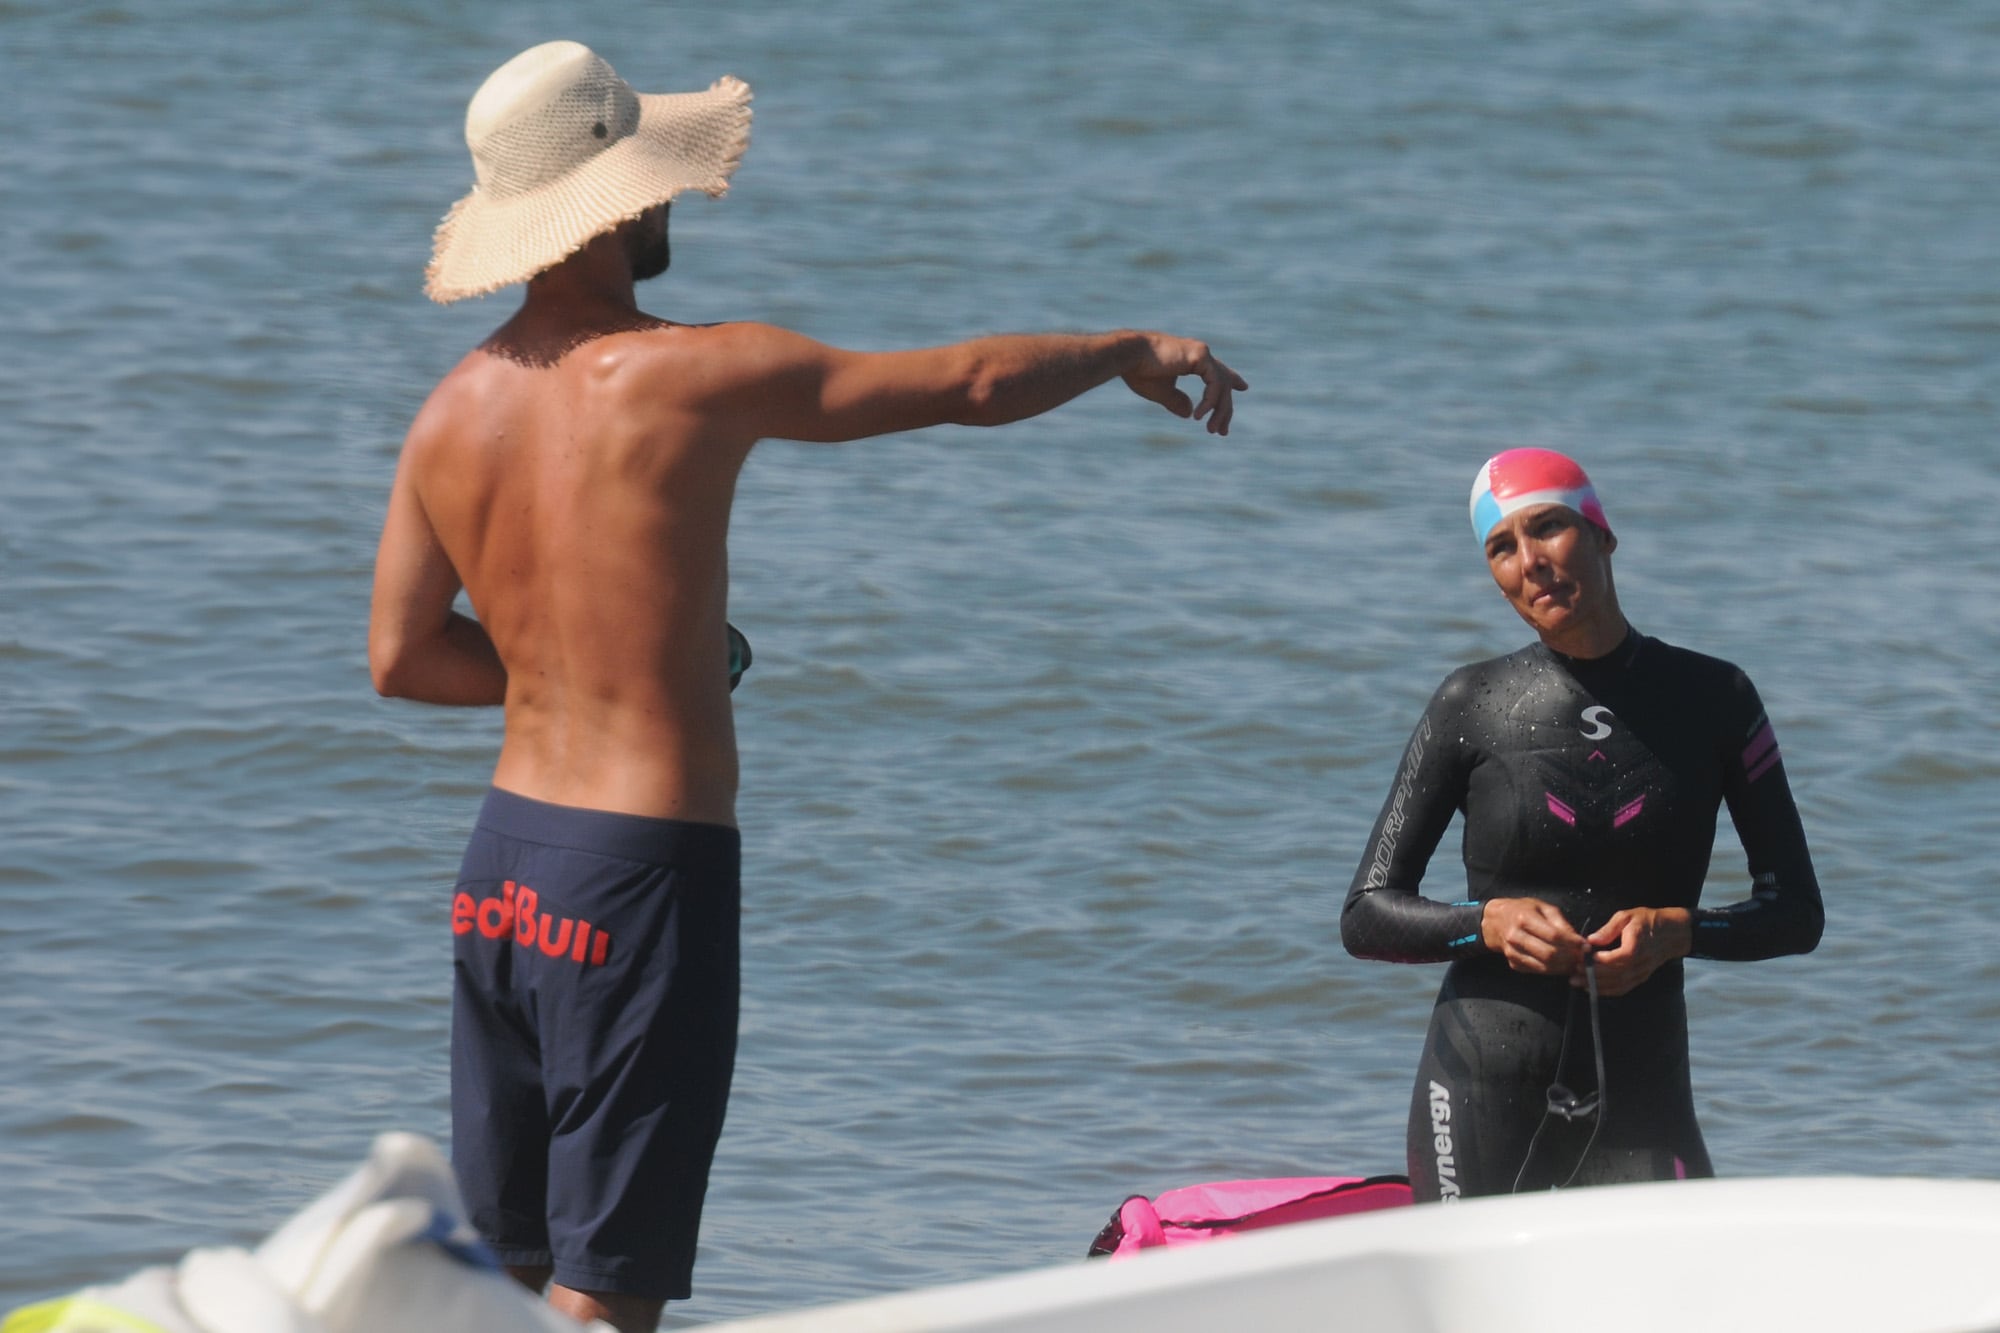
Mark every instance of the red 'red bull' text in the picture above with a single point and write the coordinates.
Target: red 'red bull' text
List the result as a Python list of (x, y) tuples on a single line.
[(514, 913)]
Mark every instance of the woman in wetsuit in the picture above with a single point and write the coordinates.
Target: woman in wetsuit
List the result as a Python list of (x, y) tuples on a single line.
[(1589, 767)]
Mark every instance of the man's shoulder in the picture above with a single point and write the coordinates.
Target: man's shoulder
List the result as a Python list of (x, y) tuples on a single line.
[(465, 387), (747, 345), (735, 335), (637, 379), (671, 333)]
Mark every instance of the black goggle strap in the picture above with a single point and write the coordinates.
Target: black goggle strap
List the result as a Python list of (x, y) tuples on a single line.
[(1564, 1104), (739, 654)]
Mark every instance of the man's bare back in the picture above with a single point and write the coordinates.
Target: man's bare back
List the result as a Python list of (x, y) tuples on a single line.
[(585, 503), (576, 473)]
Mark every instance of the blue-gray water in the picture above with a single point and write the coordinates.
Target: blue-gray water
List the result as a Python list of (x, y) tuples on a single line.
[(1063, 739)]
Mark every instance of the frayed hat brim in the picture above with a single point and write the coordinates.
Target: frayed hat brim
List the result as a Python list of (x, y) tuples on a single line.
[(684, 142)]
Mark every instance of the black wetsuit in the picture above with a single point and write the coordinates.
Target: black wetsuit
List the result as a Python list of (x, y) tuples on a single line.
[(1592, 785)]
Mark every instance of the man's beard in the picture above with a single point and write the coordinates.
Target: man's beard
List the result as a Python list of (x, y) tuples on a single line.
[(651, 261), (649, 255)]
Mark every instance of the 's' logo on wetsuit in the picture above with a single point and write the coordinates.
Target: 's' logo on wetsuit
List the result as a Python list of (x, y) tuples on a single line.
[(1598, 728), (1447, 1162), (513, 913)]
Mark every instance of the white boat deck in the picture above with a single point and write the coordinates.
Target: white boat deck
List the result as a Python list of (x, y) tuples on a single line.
[(1825, 1254)]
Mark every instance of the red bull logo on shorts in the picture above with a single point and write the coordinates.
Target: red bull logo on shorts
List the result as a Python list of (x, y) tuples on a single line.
[(516, 912)]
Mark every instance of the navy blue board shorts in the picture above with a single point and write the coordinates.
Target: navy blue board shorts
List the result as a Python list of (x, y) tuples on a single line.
[(593, 1036)]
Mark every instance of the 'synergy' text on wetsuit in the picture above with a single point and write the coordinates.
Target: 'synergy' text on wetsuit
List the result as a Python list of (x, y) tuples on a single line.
[(1592, 785)]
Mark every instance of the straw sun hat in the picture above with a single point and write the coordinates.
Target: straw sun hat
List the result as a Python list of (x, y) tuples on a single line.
[(565, 150)]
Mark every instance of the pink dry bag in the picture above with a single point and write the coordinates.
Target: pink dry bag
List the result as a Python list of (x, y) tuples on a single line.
[(1197, 1213)]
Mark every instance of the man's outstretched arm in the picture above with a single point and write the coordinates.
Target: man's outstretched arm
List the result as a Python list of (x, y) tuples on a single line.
[(418, 647), (794, 388)]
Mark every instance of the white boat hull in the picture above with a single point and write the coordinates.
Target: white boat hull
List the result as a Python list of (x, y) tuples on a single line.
[(1822, 1254)]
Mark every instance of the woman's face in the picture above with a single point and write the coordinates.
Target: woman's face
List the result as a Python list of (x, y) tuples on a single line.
[(1554, 568)]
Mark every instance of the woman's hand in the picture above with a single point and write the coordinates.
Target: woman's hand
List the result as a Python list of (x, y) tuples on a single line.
[(1533, 936), (1633, 945)]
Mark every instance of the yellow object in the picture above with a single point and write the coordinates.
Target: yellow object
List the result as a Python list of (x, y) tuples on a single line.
[(76, 1314)]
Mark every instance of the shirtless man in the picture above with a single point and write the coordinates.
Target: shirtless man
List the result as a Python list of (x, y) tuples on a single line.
[(574, 476)]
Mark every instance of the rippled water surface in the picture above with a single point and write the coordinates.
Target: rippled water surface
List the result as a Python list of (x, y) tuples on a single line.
[(1063, 739)]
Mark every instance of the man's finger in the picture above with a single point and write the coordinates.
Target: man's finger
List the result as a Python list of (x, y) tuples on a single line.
[(1230, 377), (1171, 398), (1211, 391)]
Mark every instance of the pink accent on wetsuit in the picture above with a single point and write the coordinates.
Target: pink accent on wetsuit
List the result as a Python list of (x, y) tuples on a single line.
[(1760, 756)]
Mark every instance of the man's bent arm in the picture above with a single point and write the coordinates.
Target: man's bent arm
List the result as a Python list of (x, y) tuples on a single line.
[(803, 390), (418, 646)]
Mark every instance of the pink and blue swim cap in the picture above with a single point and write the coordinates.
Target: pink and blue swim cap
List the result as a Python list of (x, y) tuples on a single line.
[(1520, 478)]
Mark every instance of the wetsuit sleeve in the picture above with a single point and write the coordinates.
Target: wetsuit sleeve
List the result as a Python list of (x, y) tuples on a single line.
[(1783, 914), (1384, 916)]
